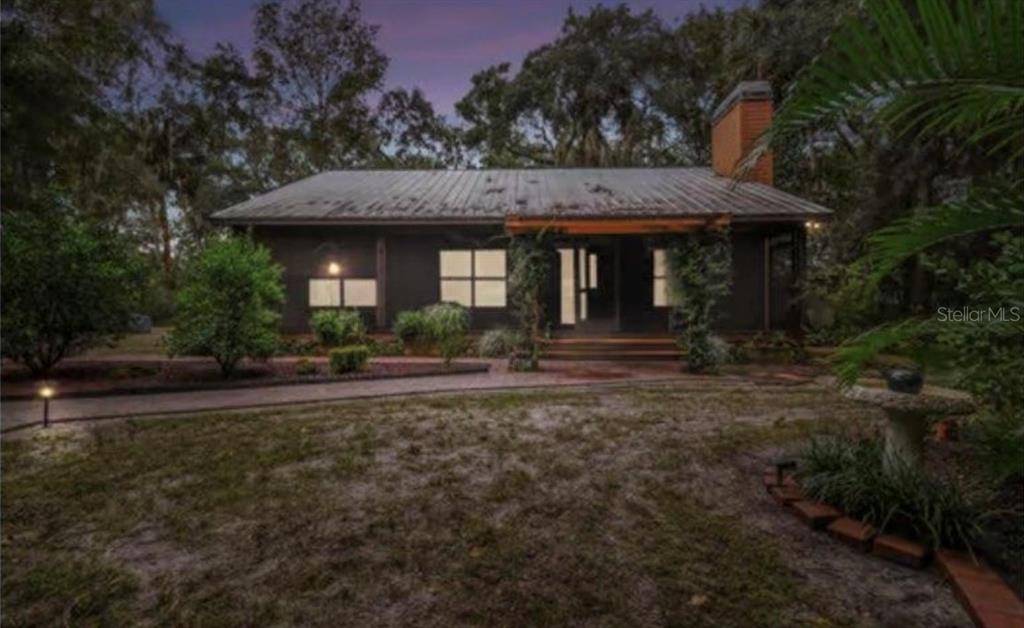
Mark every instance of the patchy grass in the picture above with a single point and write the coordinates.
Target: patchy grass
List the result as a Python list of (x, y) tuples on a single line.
[(544, 508)]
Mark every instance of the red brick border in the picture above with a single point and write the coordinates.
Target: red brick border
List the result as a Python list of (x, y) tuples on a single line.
[(856, 534), (989, 601)]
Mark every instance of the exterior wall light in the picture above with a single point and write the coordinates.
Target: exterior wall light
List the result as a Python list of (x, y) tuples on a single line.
[(334, 269), (46, 392), (813, 225)]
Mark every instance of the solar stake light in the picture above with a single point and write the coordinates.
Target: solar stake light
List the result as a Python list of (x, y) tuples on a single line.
[(46, 392)]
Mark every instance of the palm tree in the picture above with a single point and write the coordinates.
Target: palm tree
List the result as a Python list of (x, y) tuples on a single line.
[(945, 69)]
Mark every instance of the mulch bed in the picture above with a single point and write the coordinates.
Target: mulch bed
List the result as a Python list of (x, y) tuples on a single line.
[(83, 378)]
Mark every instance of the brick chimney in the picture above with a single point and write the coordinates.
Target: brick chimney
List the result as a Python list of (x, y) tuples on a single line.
[(736, 124)]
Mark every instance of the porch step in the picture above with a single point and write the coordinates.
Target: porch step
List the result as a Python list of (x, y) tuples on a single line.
[(611, 348)]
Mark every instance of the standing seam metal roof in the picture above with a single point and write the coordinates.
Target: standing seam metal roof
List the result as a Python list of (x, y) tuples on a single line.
[(493, 195)]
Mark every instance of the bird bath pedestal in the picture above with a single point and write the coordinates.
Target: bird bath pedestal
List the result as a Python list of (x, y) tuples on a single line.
[(909, 417)]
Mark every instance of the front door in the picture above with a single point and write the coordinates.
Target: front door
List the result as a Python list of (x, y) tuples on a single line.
[(598, 290)]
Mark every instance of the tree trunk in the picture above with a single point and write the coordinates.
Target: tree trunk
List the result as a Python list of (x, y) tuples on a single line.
[(166, 244)]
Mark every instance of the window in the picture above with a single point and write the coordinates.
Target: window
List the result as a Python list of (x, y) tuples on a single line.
[(568, 286), (329, 292), (474, 278), (324, 293), (660, 279), (360, 293)]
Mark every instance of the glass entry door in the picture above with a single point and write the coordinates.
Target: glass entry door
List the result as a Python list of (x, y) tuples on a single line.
[(587, 287)]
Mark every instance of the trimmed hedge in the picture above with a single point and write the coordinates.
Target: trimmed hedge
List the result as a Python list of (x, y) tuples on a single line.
[(349, 359)]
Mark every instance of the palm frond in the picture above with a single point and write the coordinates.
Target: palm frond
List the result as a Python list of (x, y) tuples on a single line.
[(956, 67), (850, 359), (985, 209)]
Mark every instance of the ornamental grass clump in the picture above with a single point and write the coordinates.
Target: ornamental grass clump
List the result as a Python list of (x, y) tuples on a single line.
[(890, 495), (446, 326)]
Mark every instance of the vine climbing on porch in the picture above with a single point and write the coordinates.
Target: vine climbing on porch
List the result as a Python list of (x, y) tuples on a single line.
[(699, 275), (529, 262)]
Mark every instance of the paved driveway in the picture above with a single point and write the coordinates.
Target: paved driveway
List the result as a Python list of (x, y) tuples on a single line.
[(19, 414)]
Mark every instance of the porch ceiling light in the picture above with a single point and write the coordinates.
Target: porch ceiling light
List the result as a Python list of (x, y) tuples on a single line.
[(334, 268)]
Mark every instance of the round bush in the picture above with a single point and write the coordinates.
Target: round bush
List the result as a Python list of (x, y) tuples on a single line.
[(411, 327), (338, 327)]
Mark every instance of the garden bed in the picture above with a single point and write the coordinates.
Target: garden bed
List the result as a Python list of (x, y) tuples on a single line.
[(87, 378)]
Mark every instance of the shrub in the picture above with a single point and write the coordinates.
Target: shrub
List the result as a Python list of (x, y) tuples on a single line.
[(349, 359), (498, 343), (227, 305), (775, 347), (296, 346), (447, 324), (888, 496), (305, 367), (66, 286), (385, 347), (999, 441), (333, 328), (411, 327)]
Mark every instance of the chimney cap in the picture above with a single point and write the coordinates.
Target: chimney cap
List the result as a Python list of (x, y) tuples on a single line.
[(745, 90)]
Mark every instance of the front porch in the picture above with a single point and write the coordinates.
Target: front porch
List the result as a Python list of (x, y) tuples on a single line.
[(614, 287)]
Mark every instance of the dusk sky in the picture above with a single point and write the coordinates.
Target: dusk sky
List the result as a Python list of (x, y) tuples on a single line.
[(436, 45)]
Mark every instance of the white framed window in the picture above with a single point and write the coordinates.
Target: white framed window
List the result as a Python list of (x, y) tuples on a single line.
[(342, 292), (360, 292), (567, 279), (474, 278), (324, 293), (662, 295)]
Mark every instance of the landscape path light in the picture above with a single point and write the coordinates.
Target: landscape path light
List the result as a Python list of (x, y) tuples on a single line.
[(46, 392)]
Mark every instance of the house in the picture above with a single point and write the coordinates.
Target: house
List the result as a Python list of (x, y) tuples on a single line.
[(388, 241)]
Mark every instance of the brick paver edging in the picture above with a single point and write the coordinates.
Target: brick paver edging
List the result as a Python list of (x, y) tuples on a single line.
[(989, 601)]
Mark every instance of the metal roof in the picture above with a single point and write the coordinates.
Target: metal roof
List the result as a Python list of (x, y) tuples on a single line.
[(389, 196)]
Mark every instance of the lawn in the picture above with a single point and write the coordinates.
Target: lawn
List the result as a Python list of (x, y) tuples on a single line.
[(627, 506)]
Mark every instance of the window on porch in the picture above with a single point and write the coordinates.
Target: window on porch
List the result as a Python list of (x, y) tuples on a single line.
[(662, 297)]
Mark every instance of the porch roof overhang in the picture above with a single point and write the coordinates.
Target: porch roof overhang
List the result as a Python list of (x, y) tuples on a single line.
[(613, 226)]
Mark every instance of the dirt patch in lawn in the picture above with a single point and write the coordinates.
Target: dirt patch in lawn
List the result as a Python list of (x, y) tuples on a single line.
[(84, 378), (637, 506)]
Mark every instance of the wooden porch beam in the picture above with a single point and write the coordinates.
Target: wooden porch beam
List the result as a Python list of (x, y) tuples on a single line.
[(617, 226)]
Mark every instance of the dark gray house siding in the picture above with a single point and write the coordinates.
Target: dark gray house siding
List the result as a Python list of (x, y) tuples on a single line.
[(767, 264)]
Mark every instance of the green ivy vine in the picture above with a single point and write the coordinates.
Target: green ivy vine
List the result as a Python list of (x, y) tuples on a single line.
[(529, 264), (699, 274)]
